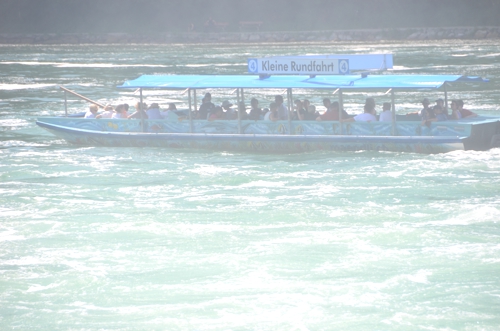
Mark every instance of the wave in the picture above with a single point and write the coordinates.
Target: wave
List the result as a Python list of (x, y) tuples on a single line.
[(11, 87), (83, 65)]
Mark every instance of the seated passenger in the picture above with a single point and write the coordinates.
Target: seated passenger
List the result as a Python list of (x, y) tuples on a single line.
[(230, 113), (170, 112), (140, 112), (282, 109), (92, 112), (255, 111), (440, 113), (154, 112), (327, 103), (300, 111), (465, 112), (426, 104), (120, 112), (367, 115), (205, 107), (332, 113), (242, 109), (108, 112), (386, 114), (272, 114), (216, 114), (428, 116), (306, 103), (311, 113), (455, 112), (370, 104)]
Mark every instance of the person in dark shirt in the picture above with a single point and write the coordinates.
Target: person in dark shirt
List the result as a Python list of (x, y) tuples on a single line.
[(299, 111), (242, 110), (140, 111), (205, 107), (255, 111), (311, 113)]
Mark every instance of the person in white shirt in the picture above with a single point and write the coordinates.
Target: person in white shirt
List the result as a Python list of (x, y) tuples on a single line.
[(170, 113), (120, 112), (282, 109), (272, 114), (154, 112), (386, 114), (368, 115), (108, 112), (92, 112)]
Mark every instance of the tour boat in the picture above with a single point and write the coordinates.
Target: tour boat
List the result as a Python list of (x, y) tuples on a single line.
[(403, 134)]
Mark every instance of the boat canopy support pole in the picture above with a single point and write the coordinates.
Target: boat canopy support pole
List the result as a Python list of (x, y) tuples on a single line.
[(141, 111), (341, 107), (290, 110), (393, 108), (190, 114), (195, 103), (239, 112), (445, 98), (65, 104)]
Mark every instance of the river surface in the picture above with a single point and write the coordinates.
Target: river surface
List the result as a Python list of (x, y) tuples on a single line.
[(151, 239)]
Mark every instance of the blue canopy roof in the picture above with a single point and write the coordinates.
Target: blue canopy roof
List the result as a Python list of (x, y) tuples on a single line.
[(351, 82)]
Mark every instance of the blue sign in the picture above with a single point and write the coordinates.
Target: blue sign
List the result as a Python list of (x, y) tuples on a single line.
[(298, 66)]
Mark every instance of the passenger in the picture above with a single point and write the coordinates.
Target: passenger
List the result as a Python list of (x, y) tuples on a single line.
[(120, 112), (170, 113), (332, 113), (242, 109), (440, 103), (426, 104), (264, 113), (154, 112), (108, 112), (230, 113), (465, 112), (386, 114), (440, 113), (282, 109), (428, 116), (300, 111), (327, 103), (255, 111), (126, 106), (306, 103), (205, 107), (92, 112), (140, 112), (311, 113), (217, 113), (455, 112), (370, 105), (367, 115), (272, 114)]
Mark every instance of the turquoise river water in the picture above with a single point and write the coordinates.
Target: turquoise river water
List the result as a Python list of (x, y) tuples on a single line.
[(153, 239)]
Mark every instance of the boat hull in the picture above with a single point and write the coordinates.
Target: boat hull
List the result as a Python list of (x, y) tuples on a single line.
[(256, 143)]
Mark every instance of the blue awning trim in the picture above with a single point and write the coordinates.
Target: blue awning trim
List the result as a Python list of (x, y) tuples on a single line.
[(350, 82)]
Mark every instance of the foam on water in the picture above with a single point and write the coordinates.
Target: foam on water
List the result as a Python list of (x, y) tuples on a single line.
[(124, 238)]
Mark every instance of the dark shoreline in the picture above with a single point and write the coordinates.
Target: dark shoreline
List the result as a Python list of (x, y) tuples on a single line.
[(465, 33)]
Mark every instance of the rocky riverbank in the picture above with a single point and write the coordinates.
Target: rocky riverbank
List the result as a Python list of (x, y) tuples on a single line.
[(255, 36)]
